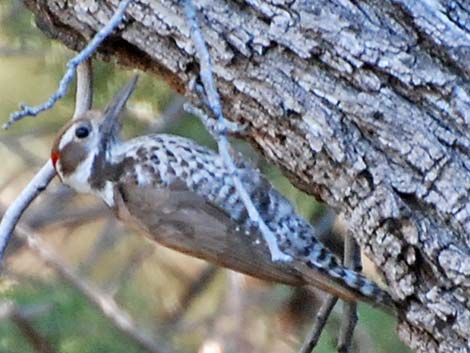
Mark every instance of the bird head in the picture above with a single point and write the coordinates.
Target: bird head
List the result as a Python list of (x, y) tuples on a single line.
[(83, 145)]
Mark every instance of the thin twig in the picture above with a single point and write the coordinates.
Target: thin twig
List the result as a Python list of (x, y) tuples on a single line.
[(191, 293), (348, 323), (24, 199), (170, 115), (46, 173), (352, 259), (132, 265), (11, 178), (213, 126), (324, 226), (319, 324), (72, 65), (84, 92), (39, 343), (108, 236), (236, 309), (363, 340), (15, 146), (213, 100), (69, 218), (103, 302)]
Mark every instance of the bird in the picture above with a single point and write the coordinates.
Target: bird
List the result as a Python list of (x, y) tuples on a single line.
[(181, 195)]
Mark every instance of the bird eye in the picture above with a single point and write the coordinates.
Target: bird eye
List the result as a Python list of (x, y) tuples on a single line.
[(82, 132)]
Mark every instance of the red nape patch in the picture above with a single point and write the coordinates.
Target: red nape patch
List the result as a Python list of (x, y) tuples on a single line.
[(55, 157)]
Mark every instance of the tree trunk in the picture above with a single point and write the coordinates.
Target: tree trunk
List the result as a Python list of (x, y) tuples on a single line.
[(364, 104)]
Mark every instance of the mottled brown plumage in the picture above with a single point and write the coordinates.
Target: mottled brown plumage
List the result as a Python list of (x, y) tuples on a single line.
[(180, 194)]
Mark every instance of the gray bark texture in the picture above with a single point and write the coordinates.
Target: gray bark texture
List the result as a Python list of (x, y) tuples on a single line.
[(364, 104)]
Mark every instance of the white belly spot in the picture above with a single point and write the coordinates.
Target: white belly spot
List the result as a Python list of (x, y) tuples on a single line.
[(107, 194)]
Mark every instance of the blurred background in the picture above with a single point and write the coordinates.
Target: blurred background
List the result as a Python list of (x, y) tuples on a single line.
[(185, 304)]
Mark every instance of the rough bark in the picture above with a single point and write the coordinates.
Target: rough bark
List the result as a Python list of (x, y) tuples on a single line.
[(364, 104)]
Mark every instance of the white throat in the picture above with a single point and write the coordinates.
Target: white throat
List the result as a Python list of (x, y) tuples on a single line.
[(79, 180)]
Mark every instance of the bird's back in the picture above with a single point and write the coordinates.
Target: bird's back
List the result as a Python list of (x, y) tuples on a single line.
[(197, 195)]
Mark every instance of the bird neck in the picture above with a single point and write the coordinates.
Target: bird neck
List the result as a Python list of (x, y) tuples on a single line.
[(90, 175)]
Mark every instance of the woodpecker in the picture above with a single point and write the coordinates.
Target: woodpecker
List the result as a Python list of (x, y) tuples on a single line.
[(181, 194)]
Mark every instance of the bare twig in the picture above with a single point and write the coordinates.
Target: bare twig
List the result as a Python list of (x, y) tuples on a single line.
[(214, 126), (47, 172), (236, 309), (352, 259), (84, 92), (72, 65), (220, 337), (103, 302), (24, 199), (64, 218), (324, 226), (213, 100), (319, 324), (191, 293), (132, 265), (83, 103), (170, 115), (11, 178), (18, 317), (363, 340), (108, 236), (348, 323), (15, 146)]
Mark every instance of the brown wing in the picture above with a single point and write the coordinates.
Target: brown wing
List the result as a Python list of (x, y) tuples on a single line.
[(184, 221)]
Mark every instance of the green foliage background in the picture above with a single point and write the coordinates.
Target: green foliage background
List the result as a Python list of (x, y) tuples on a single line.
[(30, 68)]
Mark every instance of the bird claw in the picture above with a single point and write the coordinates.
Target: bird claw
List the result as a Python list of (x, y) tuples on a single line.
[(277, 255), (280, 257)]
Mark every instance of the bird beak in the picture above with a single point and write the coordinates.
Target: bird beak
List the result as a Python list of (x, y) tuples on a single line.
[(111, 125)]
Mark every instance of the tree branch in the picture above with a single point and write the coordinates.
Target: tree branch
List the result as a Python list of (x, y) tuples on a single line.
[(191, 293), (103, 302), (16, 209), (364, 105), (72, 65), (39, 343), (42, 179), (319, 323), (352, 259)]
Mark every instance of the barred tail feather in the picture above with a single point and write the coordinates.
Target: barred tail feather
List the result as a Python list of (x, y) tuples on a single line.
[(323, 260)]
